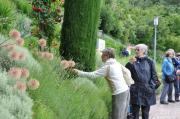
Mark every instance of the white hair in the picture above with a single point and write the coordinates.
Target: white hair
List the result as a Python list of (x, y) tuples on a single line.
[(172, 51), (142, 47)]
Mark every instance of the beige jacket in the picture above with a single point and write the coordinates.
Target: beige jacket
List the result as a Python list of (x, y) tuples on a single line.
[(111, 69)]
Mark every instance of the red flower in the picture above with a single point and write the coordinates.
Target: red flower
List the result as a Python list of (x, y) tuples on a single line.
[(34, 8), (39, 9)]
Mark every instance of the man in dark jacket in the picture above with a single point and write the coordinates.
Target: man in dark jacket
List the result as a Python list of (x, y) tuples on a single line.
[(145, 77)]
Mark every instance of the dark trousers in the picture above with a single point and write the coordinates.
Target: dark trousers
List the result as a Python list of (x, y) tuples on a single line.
[(144, 109), (176, 88)]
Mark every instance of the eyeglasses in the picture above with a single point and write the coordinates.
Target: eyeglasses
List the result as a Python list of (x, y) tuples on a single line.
[(137, 49)]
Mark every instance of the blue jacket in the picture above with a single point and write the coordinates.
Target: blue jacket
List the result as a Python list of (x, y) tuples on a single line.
[(167, 67)]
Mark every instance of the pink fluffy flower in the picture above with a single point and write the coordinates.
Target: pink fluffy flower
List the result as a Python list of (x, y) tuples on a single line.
[(65, 64), (20, 41), (33, 84), (22, 56), (14, 55), (24, 73), (42, 42), (15, 72), (9, 47), (21, 86), (48, 56), (14, 34), (71, 63)]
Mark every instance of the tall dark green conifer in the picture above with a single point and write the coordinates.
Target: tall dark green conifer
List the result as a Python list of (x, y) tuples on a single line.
[(79, 31)]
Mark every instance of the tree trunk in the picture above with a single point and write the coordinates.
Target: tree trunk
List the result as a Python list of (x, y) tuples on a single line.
[(79, 32)]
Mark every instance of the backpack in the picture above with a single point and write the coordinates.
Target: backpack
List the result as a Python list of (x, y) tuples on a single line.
[(127, 75)]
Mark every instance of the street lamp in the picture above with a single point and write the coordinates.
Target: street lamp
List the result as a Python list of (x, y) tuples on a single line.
[(155, 31)]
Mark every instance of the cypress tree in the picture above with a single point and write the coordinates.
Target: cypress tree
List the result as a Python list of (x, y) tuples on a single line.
[(79, 32)]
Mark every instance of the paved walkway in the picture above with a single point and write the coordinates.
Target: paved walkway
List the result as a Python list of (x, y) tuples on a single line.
[(170, 111)]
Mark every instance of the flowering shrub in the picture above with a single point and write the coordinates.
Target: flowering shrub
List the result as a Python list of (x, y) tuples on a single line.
[(14, 101), (68, 64), (47, 13)]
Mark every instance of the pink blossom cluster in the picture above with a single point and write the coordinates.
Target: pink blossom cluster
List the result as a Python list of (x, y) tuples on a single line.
[(46, 55), (17, 36), (17, 72), (33, 84), (42, 42), (20, 41), (21, 86), (14, 34), (14, 55), (67, 64)]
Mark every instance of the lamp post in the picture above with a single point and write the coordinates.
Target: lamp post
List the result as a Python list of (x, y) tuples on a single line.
[(155, 32)]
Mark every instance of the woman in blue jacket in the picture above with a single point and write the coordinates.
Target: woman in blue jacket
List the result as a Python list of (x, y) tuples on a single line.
[(167, 70)]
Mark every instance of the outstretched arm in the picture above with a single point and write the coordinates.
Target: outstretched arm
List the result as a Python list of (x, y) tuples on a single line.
[(102, 72)]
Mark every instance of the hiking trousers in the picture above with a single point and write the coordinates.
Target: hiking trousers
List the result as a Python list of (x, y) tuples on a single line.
[(120, 104)]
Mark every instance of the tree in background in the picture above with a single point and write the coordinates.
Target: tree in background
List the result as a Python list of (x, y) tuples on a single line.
[(79, 32)]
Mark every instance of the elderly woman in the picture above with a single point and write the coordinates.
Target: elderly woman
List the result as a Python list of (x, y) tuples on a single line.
[(142, 92), (167, 70), (112, 70)]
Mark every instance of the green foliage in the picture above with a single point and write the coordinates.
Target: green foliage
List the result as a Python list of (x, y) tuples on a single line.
[(42, 112), (79, 32), (132, 21), (14, 104), (31, 42), (111, 43), (23, 25), (77, 98), (23, 6), (7, 15)]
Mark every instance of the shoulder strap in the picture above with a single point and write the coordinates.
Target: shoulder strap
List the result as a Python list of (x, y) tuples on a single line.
[(107, 71)]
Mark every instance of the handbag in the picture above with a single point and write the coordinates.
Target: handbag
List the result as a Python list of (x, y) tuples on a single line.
[(157, 83), (169, 78)]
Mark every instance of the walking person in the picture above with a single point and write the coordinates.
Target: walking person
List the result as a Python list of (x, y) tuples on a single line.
[(175, 83), (167, 70), (112, 70), (142, 92), (178, 69)]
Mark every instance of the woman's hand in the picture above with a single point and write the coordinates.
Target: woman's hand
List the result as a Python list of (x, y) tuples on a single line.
[(73, 71), (132, 60)]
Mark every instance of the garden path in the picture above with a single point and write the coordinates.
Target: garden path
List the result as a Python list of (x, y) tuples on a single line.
[(170, 111)]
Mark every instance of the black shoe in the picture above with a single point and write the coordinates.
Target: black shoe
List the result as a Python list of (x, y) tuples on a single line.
[(130, 116), (177, 100), (164, 102), (171, 101)]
